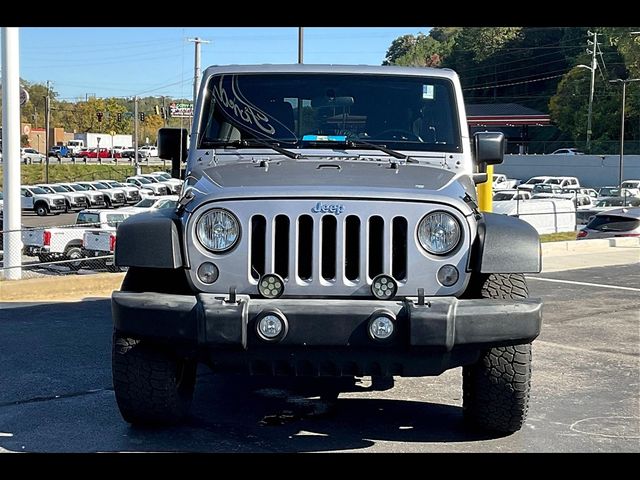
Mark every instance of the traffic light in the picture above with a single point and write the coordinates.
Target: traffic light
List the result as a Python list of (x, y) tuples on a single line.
[(119, 117), (142, 116), (157, 110), (99, 115), (164, 112)]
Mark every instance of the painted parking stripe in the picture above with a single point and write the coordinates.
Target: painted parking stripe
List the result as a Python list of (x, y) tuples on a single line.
[(616, 287)]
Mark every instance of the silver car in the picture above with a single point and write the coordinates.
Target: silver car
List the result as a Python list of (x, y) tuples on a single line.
[(621, 222)]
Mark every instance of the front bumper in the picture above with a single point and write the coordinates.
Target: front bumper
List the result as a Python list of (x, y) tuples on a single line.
[(442, 322)]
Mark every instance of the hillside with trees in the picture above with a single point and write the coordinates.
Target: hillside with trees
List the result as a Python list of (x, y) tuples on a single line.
[(539, 68)]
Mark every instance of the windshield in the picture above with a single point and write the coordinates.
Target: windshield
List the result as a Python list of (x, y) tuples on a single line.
[(151, 179), (499, 197), (57, 188), (146, 202), (87, 218), (166, 204), (100, 186), (143, 180), (534, 181), (78, 188), (115, 184), (417, 113), (38, 190), (555, 181)]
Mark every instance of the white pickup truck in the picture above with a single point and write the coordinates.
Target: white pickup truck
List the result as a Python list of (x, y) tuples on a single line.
[(100, 244), (58, 243), (40, 201)]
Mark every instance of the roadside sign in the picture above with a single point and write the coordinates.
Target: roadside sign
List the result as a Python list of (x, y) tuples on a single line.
[(112, 133), (178, 110)]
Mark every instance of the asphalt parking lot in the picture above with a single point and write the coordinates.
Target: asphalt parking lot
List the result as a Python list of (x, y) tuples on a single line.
[(56, 393)]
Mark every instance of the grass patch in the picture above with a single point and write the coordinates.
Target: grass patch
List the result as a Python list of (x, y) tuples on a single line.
[(32, 174), (558, 237)]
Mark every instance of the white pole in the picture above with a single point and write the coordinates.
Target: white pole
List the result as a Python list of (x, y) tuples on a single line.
[(11, 153)]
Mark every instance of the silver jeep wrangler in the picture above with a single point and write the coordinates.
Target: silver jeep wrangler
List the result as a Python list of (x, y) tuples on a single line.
[(327, 227)]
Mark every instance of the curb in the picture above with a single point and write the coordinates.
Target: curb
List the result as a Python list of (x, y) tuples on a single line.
[(588, 245)]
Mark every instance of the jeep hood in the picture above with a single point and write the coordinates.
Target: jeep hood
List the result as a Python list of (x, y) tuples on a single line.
[(329, 178)]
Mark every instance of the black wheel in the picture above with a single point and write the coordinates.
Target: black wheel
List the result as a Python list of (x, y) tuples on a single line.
[(74, 253), (496, 389), (41, 210), (153, 386)]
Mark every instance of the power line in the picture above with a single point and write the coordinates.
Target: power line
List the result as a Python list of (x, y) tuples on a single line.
[(513, 83)]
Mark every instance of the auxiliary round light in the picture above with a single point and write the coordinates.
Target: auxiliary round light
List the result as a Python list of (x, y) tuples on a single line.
[(448, 275), (384, 287), (271, 326), (208, 273), (271, 285), (381, 327)]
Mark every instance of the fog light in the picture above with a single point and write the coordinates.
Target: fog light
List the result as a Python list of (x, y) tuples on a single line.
[(384, 287), (448, 275), (208, 273), (271, 285), (272, 326), (381, 327)]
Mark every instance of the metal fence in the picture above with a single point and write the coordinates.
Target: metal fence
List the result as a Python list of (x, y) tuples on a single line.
[(62, 253)]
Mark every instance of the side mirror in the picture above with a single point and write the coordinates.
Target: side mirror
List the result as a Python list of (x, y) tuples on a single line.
[(488, 149), (172, 145)]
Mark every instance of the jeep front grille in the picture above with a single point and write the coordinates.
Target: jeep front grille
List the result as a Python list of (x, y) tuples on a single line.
[(328, 249)]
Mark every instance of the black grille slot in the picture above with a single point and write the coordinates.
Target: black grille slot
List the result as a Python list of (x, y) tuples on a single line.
[(352, 247), (376, 246), (257, 248), (329, 228), (281, 246), (305, 247), (399, 248)]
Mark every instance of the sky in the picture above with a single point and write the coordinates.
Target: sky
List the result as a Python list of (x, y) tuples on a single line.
[(146, 61)]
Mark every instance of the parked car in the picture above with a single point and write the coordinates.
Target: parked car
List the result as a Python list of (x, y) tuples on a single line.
[(149, 150), (59, 151), (501, 182), (31, 155), (609, 191), (567, 151), (511, 194), (152, 204), (74, 200), (114, 197), (96, 198), (620, 222), (581, 191), (40, 201), (142, 182)]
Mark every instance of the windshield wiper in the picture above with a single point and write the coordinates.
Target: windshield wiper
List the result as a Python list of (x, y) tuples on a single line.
[(374, 146), (252, 142)]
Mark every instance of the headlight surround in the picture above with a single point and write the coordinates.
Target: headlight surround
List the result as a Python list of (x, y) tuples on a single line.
[(439, 233), (218, 230)]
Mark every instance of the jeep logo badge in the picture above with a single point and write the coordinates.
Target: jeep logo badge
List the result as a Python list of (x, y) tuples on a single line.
[(334, 208)]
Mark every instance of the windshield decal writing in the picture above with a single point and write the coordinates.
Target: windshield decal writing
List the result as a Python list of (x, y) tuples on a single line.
[(233, 104)]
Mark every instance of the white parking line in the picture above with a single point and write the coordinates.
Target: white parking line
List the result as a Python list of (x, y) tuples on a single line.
[(616, 287)]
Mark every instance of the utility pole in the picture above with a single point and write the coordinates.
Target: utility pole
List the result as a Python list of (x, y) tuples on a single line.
[(135, 135), (624, 94), (164, 110), (47, 107), (197, 74), (594, 65), (11, 153), (300, 44)]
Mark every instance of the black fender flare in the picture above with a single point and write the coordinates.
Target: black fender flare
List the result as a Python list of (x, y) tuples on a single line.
[(505, 244), (150, 239)]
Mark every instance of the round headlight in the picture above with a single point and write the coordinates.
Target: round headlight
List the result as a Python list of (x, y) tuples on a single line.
[(218, 230), (439, 233)]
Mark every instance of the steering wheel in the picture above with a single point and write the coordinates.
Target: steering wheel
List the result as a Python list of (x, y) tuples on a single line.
[(397, 134)]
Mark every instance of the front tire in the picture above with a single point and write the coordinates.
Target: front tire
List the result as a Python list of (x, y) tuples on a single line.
[(41, 210), (497, 387), (152, 386)]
